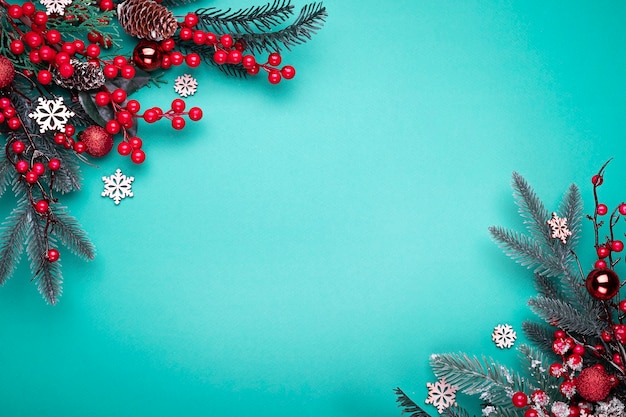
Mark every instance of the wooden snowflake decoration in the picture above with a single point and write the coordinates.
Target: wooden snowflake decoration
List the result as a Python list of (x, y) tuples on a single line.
[(559, 228), (51, 114), (118, 186), (441, 394), (55, 6), (185, 85), (503, 336)]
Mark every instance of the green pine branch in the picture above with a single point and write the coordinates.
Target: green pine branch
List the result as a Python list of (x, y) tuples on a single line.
[(474, 376), (538, 364), (310, 21), (531, 209), (7, 173), (562, 314), (547, 287), (572, 208), (408, 406), (67, 229), (539, 334), (251, 20), (12, 233), (455, 411)]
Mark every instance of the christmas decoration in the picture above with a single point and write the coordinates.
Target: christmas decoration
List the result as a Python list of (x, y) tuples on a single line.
[(117, 186), (503, 336), (575, 366), (441, 394), (66, 85), (185, 85)]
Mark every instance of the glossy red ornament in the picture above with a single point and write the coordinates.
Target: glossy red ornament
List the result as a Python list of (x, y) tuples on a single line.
[(148, 55), (602, 284)]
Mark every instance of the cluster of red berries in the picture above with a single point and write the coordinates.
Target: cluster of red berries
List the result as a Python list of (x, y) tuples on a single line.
[(580, 386), (230, 51), (8, 114)]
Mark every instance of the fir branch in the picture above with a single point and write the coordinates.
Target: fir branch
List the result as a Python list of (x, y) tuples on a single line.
[(251, 20), (492, 381), (46, 274), (531, 209), (7, 173), (562, 314), (454, 411), (310, 20), (206, 53), (12, 235), (526, 251), (538, 366), (70, 233), (572, 208), (174, 3), (408, 406), (546, 287), (539, 334)]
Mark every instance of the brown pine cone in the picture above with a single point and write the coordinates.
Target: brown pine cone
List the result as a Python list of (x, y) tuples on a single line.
[(146, 19), (86, 77)]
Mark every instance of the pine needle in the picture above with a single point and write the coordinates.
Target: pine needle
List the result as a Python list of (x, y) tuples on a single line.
[(408, 406), (562, 314)]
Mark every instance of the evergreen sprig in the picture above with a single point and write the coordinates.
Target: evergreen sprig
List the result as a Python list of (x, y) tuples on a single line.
[(47, 275), (12, 235), (67, 229), (474, 376), (562, 314), (537, 363), (541, 335), (408, 406), (251, 20)]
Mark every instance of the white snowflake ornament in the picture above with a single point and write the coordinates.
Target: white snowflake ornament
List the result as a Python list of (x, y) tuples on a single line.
[(185, 85), (504, 336), (441, 394), (559, 228), (51, 114), (55, 6), (118, 186)]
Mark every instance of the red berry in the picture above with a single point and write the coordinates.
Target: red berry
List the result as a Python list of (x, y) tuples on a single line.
[(220, 57), (177, 58), (80, 146), (211, 38), (226, 41), (54, 164), (18, 147), (150, 116), (531, 413), (138, 156), (288, 72), (10, 112), (168, 44), (606, 336), (79, 45), (14, 11), (113, 127), (254, 70), (234, 57), (622, 306), (248, 61), (94, 37), (4, 102), (53, 36), (110, 71), (178, 123), (17, 47), (274, 77), (199, 37), (133, 106), (44, 77), (92, 51), (178, 105), (69, 130), (125, 118), (559, 334), (617, 358), (53, 255), (600, 264), (40, 18), (519, 399), (191, 19), (128, 72), (186, 34), (21, 166), (124, 148), (31, 177), (193, 60), (135, 142), (34, 57), (66, 70), (38, 168), (41, 206), (602, 209), (579, 349), (28, 8), (603, 252), (14, 123), (118, 95), (119, 61), (59, 138), (597, 180), (195, 113), (274, 59), (107, 5), (68, 48), (102, 98), (33, 39), (617, 246), (166, 62)]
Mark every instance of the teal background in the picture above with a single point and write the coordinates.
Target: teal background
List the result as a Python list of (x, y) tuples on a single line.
[(305, 247)]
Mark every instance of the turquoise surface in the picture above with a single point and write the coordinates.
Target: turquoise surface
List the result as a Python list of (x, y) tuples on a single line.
[(305, 247)]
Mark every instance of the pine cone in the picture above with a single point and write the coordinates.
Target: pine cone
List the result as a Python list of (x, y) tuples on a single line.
[(146, 19), (85, 77)]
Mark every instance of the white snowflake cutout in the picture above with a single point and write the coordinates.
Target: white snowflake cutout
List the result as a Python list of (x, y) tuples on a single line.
[(55, 6), (185, 85), (441, 394), (559, 228), (504, 336), (118, 186), (51, 114)]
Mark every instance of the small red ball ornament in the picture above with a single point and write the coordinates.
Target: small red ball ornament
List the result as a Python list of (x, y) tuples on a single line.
[(602, 284), (593, 384), (7, 71), (53, 255), (519, 399), (98, 142), (148, 55)]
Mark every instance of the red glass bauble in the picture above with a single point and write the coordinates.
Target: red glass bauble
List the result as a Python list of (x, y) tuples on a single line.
[(148, 55), (602, 284)]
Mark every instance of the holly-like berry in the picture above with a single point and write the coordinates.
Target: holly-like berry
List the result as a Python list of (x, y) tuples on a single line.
[(38, 168), (18, 147), (288, 72), (519, 399), (98, 142), (274, 59), (124, 148), (274, 77), (603, 252), (178, 105), (617, 246), (622, 209), (178, 123), (7, 71), (599, 264), (21, 166), (41, 206), (138, 156), (54, 164), (52, 255), (597, 180), (602, 209), (195, 113), (31, 177)]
